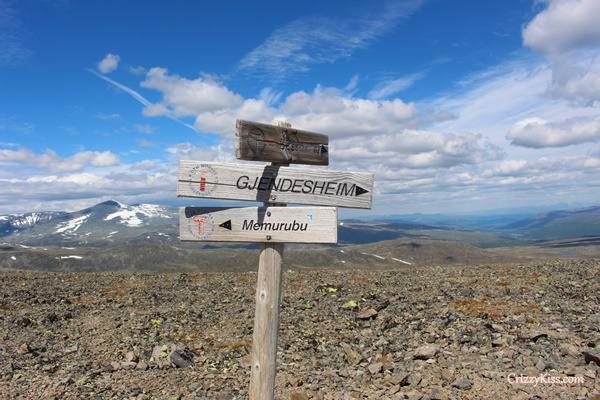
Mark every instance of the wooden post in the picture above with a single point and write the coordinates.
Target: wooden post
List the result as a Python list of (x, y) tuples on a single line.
[(266, 315), (266, 323)]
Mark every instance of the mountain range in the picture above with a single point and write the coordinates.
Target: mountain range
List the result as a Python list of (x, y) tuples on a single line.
[(112, 223)]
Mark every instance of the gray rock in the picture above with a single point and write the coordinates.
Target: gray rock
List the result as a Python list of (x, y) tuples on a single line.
[(540, 365), (414, 379), (462, 384), (591, 357), (375, 368), (569, 349), (142, 365), (426, 352), (131, 357), (70, 349), (50, 318), (182, 358), (24, 349), (161, 355), (399, 378), (367, 314), (128, 365)]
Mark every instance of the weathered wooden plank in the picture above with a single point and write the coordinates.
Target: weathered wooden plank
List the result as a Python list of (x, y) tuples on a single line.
[(281, 144), (266, 323), (274, 184), (254, 224)]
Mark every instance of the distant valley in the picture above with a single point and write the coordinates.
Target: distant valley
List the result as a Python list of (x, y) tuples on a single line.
[(116, 236)]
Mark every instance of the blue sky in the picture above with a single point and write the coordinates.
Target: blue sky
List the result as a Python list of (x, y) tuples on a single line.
[(454, 105)]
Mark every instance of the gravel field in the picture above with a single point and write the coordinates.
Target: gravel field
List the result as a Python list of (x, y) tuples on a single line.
[(431, 332)]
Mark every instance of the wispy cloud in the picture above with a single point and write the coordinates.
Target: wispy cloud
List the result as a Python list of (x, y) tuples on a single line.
[(391, 87), (305, 42), (12, 48), (139, 98), (108, 117)]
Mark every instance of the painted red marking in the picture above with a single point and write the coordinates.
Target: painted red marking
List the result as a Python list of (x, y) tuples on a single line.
[(202, 184), (200, 220)]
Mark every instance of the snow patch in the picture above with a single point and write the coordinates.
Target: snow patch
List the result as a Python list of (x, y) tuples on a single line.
[(401, 261), (375, 255), (27, 220), (72, 225), (130, 215), (74, 257), (25, 247), (13, 258)]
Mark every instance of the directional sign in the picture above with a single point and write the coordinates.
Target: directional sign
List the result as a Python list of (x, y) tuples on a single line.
[(263, 142), (270, 183), (253, 224)]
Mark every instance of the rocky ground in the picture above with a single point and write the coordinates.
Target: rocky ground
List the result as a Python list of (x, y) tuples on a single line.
[(436, 332)]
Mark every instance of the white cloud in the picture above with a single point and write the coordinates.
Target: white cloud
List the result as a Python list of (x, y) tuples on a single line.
[(109, 63), (188, 151), (185, 97), (506, 168), (144, 165), (567, 32), (215, 107), (563, 26), (538, 133), (51, 161), (302, 43), (414, 149), (71, 191), (391, 87)]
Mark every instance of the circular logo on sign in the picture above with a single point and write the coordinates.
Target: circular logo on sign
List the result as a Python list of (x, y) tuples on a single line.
[(201, 226), (203, 179)]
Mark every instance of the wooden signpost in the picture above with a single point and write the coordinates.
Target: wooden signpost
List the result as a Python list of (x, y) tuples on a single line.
[(253, 224), (273, 224), (270, 183), (280, 144)]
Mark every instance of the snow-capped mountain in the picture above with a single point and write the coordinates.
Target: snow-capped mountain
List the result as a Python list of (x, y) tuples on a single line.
[(10, 224), (106, 223)]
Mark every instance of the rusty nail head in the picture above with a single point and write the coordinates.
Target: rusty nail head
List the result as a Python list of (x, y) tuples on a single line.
[(268, 213), (268, 237)]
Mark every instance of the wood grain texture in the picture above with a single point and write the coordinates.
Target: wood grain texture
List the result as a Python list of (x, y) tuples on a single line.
[(266, 323), (254, 224), (281, 144), (268, 183)]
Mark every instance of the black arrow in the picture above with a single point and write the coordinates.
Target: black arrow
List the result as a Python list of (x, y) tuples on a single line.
[(226, 225), (360, 191)]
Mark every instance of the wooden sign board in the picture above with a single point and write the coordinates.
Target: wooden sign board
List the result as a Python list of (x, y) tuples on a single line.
[(280, 144), (254, 224), (270, 183)]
